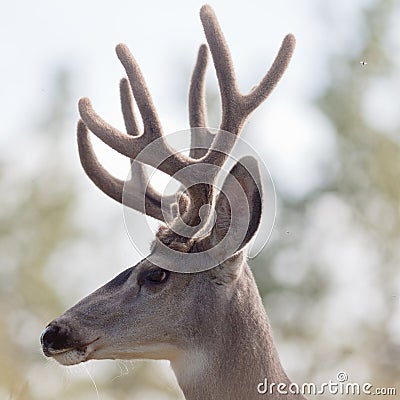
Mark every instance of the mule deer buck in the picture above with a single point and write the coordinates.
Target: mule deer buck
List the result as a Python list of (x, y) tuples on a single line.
[(210, 324)]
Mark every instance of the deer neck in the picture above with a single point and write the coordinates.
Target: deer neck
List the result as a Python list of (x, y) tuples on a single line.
[(238, 355)]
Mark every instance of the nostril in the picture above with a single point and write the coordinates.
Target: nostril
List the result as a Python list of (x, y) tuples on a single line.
[(49, 336)]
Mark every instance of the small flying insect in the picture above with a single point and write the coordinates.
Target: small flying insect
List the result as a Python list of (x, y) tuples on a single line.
[(363, 63)]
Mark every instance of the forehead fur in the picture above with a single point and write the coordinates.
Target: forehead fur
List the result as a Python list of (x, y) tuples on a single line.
[(174, 241)]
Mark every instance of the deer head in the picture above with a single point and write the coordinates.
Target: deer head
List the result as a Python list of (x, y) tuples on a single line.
[(152, 310)]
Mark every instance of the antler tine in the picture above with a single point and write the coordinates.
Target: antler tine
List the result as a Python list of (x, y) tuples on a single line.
[(131, 124), (220, 53), (272, 77), (223, 64), (96, 172), (200, 138), (235, 106), (152, 126), (197, 101)]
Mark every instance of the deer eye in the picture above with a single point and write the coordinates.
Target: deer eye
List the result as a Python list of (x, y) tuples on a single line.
[(157, 276)]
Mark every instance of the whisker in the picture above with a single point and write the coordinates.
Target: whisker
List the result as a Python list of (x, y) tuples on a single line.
[(91, 378), (123, 371)]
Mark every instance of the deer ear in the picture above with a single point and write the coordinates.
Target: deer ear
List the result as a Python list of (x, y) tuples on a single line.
[(238, 206)]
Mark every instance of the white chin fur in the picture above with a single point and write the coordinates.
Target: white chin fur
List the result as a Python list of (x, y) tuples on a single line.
[(74, 356), (71, 357)]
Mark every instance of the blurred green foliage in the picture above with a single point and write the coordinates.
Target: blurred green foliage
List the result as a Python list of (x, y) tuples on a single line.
[(357, 211), (35, 220)]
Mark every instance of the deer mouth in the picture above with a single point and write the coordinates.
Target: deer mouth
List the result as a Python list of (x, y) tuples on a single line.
[(72, 355)]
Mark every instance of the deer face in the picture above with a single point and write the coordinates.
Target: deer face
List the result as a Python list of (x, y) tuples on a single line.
[(145, 312), (138, 314)]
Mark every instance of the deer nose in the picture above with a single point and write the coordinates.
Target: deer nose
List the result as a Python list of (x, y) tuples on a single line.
[(49, 335), (53, 338)]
